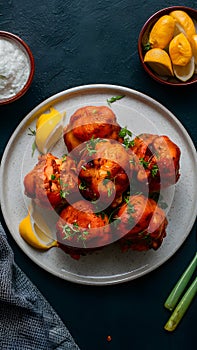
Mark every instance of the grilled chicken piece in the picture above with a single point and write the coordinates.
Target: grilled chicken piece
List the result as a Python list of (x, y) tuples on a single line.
[(51, 181), (142, 223), (104, 171), (80, 230), (91, 122), (156, 161)]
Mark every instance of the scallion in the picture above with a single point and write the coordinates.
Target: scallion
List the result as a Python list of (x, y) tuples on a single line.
[(178, 289), (182, 307)]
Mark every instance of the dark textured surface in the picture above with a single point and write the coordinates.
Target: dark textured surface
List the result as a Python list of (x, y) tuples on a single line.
[(82, 42)]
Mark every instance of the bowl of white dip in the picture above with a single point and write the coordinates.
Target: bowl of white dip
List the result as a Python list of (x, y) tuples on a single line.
[(16, 67)]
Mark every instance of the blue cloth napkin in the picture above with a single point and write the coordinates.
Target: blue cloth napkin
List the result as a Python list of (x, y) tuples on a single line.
[(27, 320)]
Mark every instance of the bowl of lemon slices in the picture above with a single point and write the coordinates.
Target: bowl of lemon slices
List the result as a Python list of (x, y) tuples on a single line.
[(167, 46)]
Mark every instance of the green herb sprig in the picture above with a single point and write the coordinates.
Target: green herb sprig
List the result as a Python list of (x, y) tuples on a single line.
[(154, 169), (90, 145), (114, 99), (33, 147), (130, 207), (64, 157), (64, 191), (82, 186), (144, 163), (127, 137), (72, 230)]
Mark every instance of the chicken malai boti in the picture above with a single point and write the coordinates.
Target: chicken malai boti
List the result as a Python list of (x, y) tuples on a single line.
[(105, 172), (80, 230), (143, 223), (91, 122), (51, 180), (159, 157)]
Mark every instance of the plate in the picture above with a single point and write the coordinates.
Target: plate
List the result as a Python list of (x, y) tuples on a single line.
[(139, 113)]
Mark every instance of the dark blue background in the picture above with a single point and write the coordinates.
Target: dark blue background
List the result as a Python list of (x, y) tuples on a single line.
[(77, 42)]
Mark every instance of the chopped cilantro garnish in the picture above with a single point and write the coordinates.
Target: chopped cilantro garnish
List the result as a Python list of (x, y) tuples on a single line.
[(154, 170), (63, 191), (125, 132), (63, 194), (82, 186), (114, 99), (90, 145), (130, 207), (109, 191), (126, 135), (144, 163), (33, 147), (72, 230), (32, 132), (64, 157)]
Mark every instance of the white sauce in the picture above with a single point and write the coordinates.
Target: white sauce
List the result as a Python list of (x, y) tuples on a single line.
[(14, 68)]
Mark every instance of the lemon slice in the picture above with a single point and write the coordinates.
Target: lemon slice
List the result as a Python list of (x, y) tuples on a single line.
[(162, 32), (184, 23), (34, 235), (180, 50), (159, 61), (49, 129), (184, 73)]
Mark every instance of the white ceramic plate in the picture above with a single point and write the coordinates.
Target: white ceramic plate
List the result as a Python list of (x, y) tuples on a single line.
[(108, 266)]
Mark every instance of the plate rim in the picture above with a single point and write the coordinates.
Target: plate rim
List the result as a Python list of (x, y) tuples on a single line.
[(32, 115)]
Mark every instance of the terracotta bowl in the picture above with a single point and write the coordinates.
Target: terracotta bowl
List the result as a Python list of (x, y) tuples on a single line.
[(143, 40), (12, 50)]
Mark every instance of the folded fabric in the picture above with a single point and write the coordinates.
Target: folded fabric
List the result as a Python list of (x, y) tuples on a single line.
[(27, 320)]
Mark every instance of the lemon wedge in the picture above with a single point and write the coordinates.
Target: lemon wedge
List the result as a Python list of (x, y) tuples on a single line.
[(180, 50), (159, 61), (34, 235), (49, 129), (184, 73), (162, 32), (194, 47), (184, 23)]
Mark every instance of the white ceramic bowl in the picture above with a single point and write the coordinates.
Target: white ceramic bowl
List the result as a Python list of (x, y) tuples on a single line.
[(16, 67)]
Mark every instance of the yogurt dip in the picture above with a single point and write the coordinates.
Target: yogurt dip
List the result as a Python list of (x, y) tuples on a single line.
[(14, 68)]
